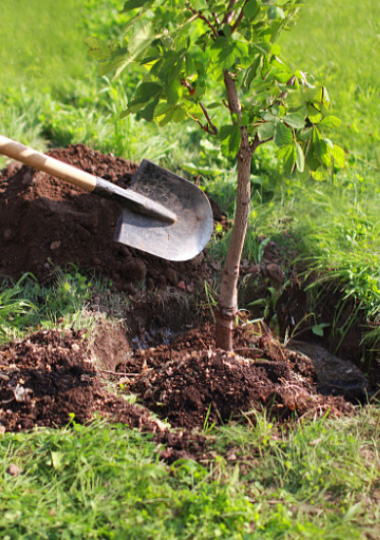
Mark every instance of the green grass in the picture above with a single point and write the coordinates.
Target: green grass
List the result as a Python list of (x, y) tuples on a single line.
[(27, 305), (337, 40), (318, 480)]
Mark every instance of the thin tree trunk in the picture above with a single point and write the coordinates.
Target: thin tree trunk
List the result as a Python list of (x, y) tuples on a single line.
[(227, 307)]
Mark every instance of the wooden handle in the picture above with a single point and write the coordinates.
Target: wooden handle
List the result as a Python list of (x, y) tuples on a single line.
[(52, 166)]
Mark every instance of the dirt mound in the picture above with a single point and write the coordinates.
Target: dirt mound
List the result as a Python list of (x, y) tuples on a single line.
[(46, 222), (211, 386), (49, 377)]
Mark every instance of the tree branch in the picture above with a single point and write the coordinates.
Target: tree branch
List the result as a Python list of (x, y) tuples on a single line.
[(239, 18), (229, 12), (210, 126), (256, 142), (213, 128), (205, 19)]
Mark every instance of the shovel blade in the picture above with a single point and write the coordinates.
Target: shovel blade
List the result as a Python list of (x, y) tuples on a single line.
[(178, 241)]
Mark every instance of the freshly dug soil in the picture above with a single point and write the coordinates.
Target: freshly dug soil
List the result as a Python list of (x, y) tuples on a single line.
[(190, 382), (46, 222), (49, 377), (52, 375)]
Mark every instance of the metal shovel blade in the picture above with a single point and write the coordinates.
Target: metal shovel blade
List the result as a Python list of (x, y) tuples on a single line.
[(178, 241)]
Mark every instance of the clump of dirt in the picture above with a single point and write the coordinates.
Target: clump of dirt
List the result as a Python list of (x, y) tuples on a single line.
[(48, 377), (52, 375), (191, 386), (46, 222)]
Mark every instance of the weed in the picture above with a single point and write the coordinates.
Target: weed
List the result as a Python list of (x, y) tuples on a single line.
[(27, 305), (13, 307)]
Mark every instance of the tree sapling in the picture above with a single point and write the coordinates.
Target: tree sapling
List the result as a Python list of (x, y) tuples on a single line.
[(216, 63)]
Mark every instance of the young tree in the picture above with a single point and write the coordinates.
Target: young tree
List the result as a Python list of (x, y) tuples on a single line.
[(216, 63)]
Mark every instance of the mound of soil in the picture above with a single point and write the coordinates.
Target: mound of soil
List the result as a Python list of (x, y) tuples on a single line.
[(50, 376), (190, 382), (46, 222)]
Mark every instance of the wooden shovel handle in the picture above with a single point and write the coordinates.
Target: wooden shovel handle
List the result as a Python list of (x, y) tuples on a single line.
[(47, 164)]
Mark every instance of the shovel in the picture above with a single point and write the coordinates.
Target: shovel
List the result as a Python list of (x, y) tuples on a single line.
[(162, 213)]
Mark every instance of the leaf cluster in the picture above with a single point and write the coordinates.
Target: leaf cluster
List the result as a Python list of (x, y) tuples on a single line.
[(184, 51)]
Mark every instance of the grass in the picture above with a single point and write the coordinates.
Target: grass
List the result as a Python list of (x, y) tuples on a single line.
[(336, 41), (314, 480), (27, 305)]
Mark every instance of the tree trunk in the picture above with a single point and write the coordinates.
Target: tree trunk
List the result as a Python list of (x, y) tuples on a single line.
[(227, 307)]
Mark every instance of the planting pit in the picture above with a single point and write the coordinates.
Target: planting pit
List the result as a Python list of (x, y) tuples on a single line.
[(165, 355)]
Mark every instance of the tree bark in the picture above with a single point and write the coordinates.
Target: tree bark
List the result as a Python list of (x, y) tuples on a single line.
[(227, 307)]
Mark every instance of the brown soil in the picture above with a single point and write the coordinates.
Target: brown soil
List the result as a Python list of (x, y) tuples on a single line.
[(52, 375), (46, 222), (51, 378)]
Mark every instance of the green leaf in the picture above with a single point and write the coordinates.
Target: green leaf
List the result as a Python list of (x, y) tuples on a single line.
[(172, 91), (325, 98), (140, 41), (331, 122), (324, 154), (313, 114), (134, 4), (148, 113), (318, 329), (234, 141), (268, 116), (116, 60), (148, 90), (283, 135), (320, 175), (199, 4), (339, 156), (252, 71), (294, 120), (224, 132), (263, 48), (251, 9), (230, 137), (98, 48), (144, 94), (300, 161), (228, 56), (179, 114), (266, 130), (305, 134), (214, 105), (319, 149), (276, 13), (125, 113), (288, 154)]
